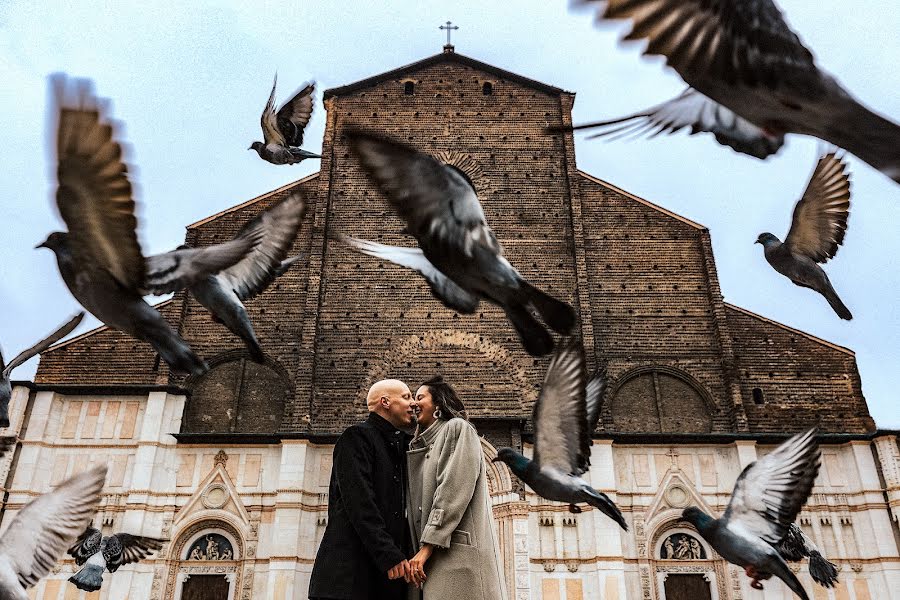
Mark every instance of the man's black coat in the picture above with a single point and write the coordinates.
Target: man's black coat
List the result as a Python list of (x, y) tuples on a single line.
[(367, 531)]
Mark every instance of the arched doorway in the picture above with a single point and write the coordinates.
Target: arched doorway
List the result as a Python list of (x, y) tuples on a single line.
[(206, 563), (685, 566)]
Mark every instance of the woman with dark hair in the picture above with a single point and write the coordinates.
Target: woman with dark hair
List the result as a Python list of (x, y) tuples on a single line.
[(449, 508)]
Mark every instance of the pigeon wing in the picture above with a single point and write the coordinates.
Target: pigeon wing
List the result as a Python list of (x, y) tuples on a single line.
[(173, 271), (820, 217), (87, 545), (124, 548), (701, 114), (93, 193), (276, 228), (793, 547), (746, 41), (269, 120), (48, 525), (42, 345), (442, 287), (594, 391), (770, 492), (561, 439), (437, 201), (294, 115)]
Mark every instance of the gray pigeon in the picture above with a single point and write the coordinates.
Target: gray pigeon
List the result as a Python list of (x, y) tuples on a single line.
[(223, 292), (742, 55), (94, 553), (691, 110), (42, 531), (796, 546), (6, 370), (458, 254), (283, 129), (100, 258), (817, 229), (767, 497), (564, 416)]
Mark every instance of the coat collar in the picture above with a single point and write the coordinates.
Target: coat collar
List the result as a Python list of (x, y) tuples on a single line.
[(426, 437), (385, 427)]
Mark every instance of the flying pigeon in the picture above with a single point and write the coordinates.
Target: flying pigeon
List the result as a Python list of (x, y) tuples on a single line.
[(766, 499), (25, 355), (564, 416), (796, 546), (817, 229), (100, 258), (458, 254), (283, 129), (742, 55), (223, 292), (42, 531), (94, 553), (691, 110), (5, 444)]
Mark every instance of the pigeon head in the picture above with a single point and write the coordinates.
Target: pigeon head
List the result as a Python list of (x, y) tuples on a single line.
[(258, 146), (55, 241), (516, 462), (5, 393), (766, 239), (697, 518)]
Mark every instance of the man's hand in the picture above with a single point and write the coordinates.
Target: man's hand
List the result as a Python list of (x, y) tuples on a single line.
[(417, 564), (401, 569)]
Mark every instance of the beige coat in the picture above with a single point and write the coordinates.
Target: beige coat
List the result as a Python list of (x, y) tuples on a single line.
[(449, 507)]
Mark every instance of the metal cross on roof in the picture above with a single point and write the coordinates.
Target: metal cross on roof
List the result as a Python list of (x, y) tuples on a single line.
[(449, 26)]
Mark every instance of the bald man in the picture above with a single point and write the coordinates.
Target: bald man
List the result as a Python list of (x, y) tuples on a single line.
[(363, 555)]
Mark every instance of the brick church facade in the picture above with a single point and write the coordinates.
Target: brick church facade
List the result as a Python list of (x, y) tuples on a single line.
[(233, 467)]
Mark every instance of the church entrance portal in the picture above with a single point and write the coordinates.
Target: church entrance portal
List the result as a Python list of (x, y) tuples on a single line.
[(205, 587), (687, 587)]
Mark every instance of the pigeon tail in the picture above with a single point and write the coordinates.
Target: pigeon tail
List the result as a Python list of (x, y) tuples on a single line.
[(256, 352), (835, 302), (869, 136), (783, 572), (89, 578), (607, 507), (823, 571), (556, 313), (535, 338), (175, 351)]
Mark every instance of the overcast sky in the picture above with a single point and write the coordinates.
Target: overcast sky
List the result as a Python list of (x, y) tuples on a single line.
[(189, 79)]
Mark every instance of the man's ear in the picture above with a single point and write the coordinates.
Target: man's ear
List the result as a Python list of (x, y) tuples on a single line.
[(385, 402)]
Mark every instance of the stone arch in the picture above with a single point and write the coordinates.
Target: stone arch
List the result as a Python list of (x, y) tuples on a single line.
[(468, 166), (499, 481), (658, 399), (237, 395), (415, 357), (182, 566), (711, 566)]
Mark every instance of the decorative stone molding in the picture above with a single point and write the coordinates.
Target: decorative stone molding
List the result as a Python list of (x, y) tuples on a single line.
[(513, 365)]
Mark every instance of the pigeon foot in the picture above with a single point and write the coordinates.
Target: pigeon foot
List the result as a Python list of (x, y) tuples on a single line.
[(574, 508), (756, 576)]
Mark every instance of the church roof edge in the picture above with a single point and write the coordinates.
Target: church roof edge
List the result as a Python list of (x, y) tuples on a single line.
[(791, 329), (439, 58), (231, 209), (657, 207)]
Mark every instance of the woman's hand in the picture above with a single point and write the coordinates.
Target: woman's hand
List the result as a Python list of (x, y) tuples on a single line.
[(417, 564)]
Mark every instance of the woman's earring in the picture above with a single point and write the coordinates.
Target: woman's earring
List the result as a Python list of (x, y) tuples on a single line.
[(437, 414)]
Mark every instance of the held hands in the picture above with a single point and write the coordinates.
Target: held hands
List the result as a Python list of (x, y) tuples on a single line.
[(401, 569), (417, 565)]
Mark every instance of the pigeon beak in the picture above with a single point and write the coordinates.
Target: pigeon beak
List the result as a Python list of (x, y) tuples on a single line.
[(41, 245), (757, 242)]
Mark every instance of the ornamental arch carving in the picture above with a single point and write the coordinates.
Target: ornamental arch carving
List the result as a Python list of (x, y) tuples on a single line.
[(204, 548), (658, 399)]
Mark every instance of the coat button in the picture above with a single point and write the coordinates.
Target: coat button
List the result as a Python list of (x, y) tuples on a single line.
[(420, 509)]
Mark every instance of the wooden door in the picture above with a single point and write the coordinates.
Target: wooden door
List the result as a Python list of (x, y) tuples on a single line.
[(687, 587), (205, 587)]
